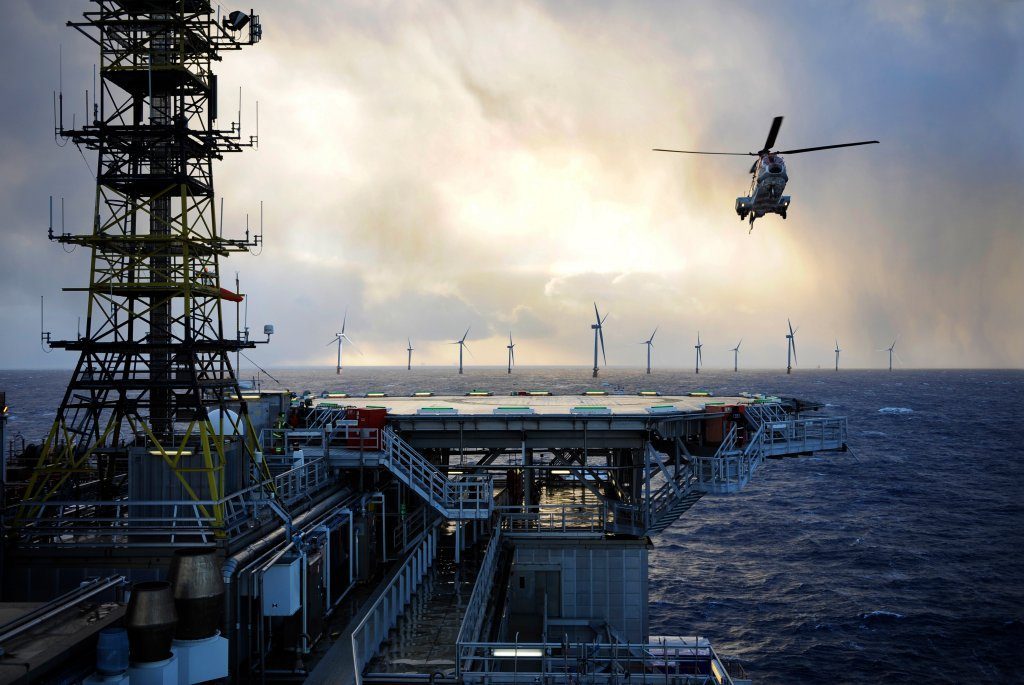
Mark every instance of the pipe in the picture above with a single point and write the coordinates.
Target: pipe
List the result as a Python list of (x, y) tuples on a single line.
[(236, 563)]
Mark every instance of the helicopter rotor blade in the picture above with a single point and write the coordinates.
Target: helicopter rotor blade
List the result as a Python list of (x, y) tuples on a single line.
[(773, 133), (825, 147), (700, 152)]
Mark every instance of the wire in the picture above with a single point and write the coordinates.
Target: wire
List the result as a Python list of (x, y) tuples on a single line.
[(246, 357)]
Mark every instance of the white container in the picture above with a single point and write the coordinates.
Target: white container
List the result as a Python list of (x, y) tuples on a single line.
[(200, 661), (281, 585)]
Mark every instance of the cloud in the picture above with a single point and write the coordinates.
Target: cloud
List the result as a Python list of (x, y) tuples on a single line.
[(431, 166)]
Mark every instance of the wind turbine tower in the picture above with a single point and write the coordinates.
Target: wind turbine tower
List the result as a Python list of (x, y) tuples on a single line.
[(341, 339), (790, 347), (736, 356), (890, 350), (650, 343), (408, 364), (837, 354), (511, 347), (598, 328), (461, 342), (697, 347)]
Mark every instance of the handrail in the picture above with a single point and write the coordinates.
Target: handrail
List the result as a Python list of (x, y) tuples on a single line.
[(469, 496), (688, 660), (473, 617), (382, 615)]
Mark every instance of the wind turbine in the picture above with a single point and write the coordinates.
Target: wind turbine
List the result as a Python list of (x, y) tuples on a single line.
[(511, 352), (837, 354), (461, 342), (791, 347), (340, 339), (736, 356), (697, 347), (890, 349), (650, 343), (408, 364), (598, 335)]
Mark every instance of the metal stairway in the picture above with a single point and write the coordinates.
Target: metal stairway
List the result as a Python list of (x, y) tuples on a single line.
[(463, 499), (675, 496)]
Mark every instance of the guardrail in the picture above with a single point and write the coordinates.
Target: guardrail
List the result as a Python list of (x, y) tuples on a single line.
[(465, 497), (476, 607), (676, 661), (383, 614), (804, 435), (163, 523)]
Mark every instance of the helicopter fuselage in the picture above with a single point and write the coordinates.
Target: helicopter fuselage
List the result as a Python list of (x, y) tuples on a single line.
[(766, 188)]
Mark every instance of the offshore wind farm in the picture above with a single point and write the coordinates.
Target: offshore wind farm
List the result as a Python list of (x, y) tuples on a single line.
[(183, 503)]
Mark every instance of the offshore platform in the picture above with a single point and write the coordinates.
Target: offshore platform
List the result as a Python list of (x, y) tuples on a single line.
[(175, 527)]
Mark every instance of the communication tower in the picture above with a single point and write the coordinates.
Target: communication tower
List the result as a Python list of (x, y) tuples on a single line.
[(145, 417)]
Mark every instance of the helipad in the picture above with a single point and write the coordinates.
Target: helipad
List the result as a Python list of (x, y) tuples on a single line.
[(540, 405)]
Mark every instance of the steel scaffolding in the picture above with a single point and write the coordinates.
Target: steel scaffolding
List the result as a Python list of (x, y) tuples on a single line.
[(153, 361)]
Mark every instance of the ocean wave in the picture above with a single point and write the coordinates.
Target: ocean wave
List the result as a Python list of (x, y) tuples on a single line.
[(881, 616), (895, 410)]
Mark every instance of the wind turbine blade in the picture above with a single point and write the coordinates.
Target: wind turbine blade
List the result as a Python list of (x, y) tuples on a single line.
[(466, 333), (794, 350), (655, 332), (512, 352), (344, 320), (333, 340), (597, 314), (600, 332), (739, 343), (791, 331), (604, 319), (469, 350)]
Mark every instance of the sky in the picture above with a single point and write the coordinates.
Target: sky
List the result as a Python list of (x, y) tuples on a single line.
[(433, 166)]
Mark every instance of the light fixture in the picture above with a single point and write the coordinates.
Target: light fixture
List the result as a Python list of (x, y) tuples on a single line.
[(236, 21), (518, 652)]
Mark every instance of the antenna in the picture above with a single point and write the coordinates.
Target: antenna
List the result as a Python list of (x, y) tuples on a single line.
[(44, 335)]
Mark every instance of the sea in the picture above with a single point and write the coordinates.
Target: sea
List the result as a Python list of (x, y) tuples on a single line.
[(901, 560)]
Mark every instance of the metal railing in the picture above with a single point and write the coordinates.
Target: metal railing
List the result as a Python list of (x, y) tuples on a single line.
[(383, 614), (678, 661), (166, 523), (476, 607), (462, 498), (804, 435)]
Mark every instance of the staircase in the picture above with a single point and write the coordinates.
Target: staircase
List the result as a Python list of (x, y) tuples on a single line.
[(669, 514), (462, 499), (675, 496)]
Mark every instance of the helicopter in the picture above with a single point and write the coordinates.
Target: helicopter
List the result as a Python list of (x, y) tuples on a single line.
[(769, 175)]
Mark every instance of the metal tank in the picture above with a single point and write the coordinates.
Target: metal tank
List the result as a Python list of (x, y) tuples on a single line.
[(150, 621), (198, 592)]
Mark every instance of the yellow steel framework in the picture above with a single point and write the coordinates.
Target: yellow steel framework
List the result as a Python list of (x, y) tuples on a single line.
[(153, 361)]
